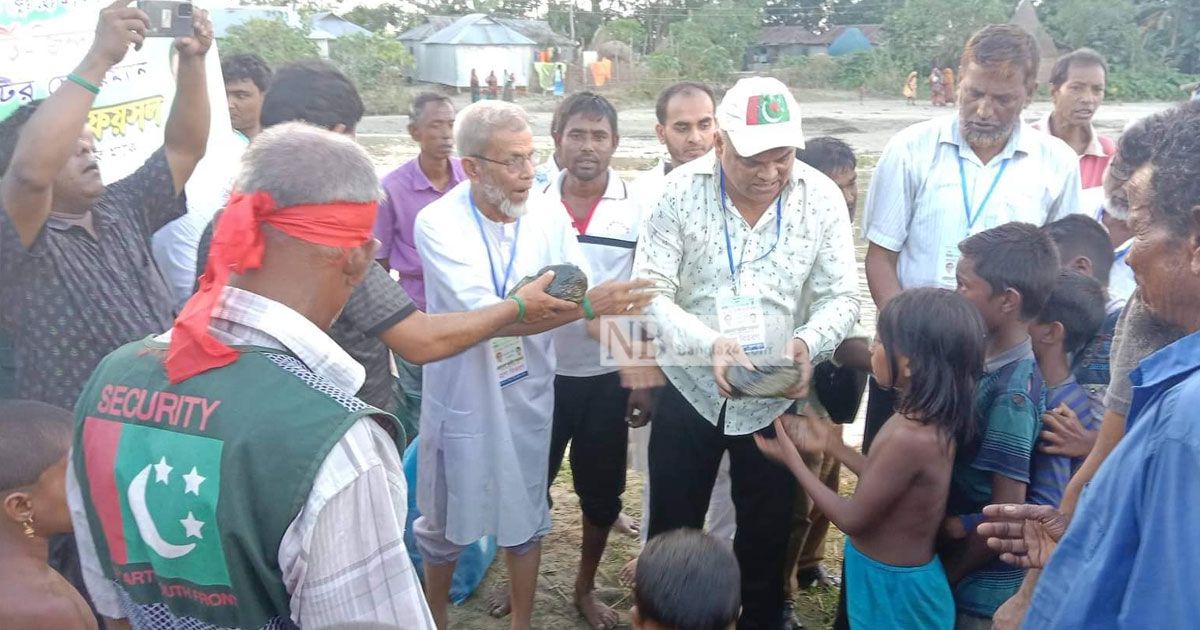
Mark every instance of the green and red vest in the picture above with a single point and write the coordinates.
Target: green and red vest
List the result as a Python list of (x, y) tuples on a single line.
[(189, 488)]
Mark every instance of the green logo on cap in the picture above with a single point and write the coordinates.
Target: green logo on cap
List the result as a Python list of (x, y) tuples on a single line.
[(767, 109)]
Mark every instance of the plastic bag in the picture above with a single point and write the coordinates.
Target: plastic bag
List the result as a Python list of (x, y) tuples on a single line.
[(475, 559)]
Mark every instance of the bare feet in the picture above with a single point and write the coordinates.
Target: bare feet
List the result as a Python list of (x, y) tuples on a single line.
[(626, 524), (598, 616), (499, 602), (628, 573)]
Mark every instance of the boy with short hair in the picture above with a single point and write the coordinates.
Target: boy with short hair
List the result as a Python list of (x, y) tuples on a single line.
[(34, 439), (1007, 272), (686, 580), (1071, 317), (1083, 245), (836, 160)]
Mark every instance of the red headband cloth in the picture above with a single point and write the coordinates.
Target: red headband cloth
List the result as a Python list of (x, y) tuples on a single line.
[(237, 247)]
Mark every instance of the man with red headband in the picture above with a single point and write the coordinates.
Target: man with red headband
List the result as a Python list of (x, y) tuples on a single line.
[(222, 475)]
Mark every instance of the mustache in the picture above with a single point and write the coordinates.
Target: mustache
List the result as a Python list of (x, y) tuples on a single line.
[(998, 135)]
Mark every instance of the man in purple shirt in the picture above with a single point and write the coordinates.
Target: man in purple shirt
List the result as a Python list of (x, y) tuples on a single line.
[(416, 184)]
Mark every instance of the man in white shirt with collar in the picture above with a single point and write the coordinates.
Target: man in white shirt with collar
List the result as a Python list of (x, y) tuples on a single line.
[(737, 240), (942, 180), (686, 127), (590, 405), (486, 413)]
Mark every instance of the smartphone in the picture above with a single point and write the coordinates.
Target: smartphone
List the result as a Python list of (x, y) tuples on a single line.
[(168, 18)]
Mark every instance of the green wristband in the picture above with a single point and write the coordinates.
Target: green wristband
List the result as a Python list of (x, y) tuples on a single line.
[(520, 308), (83, 83), (587, 308)]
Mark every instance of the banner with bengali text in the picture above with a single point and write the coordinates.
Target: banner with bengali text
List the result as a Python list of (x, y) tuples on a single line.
[(41, 41)]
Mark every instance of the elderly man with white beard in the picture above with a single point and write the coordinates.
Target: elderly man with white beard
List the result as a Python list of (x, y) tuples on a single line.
[(486, 413)]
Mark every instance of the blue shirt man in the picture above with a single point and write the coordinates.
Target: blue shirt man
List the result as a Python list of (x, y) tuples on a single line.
[(1130, 555)]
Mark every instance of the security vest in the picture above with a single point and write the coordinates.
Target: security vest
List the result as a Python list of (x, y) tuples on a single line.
[(189, 488)]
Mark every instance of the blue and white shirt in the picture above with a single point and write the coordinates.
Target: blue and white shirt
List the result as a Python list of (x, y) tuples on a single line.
[(915, 205), (1129, 558)]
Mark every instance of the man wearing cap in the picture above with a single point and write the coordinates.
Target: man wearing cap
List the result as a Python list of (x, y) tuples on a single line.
[(742, 244), (487, 413), (222, 475)]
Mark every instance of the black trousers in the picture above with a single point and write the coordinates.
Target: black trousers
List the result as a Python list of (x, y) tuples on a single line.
[(589, 412), (685, 452), (881, 404)]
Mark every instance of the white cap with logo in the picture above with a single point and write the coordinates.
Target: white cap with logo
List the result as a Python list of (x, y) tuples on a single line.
[(760, 114)]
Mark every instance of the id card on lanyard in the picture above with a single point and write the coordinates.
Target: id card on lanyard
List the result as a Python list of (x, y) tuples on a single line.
[(508, 352), (948, 261), (740, 315)]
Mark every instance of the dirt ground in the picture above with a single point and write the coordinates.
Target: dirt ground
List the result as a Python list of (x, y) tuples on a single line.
[(867, 126), (553, 607)]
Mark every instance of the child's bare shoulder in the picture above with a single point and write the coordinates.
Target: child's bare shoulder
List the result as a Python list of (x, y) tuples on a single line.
[(31, 615), (916, 437), (25, 607)]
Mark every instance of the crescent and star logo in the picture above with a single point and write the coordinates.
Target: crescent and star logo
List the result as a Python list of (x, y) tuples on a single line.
[(156, 494), (767, 109), (146, 528)]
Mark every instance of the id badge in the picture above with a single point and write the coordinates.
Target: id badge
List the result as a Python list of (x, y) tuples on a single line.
[(948, 267), (510, 360), (741, 317)]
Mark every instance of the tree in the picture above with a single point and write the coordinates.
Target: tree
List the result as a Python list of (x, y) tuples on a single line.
[(273, 40), (371, 59), (861, 11), (586, 22), (711, 44), (657, 16), (382, 18), (376, 64), (811, 14), (1109, 27), (520, 8), (924, 31), (627, 30), (1172, 29), (454, 7)]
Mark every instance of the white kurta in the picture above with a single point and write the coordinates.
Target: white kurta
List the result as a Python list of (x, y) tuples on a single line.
[(485, 448)]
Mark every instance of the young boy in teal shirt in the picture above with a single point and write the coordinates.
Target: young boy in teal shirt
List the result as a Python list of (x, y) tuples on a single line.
[(1007, 272)]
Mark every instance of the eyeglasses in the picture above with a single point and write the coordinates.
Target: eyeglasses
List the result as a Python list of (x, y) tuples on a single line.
[(514, 164)]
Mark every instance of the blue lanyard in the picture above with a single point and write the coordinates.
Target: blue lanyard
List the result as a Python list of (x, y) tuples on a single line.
[(962, 178), (497, 284), (734, 270)]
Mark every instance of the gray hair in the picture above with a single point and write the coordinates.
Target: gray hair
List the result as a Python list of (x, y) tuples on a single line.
[(301, 164), (476, 123)]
